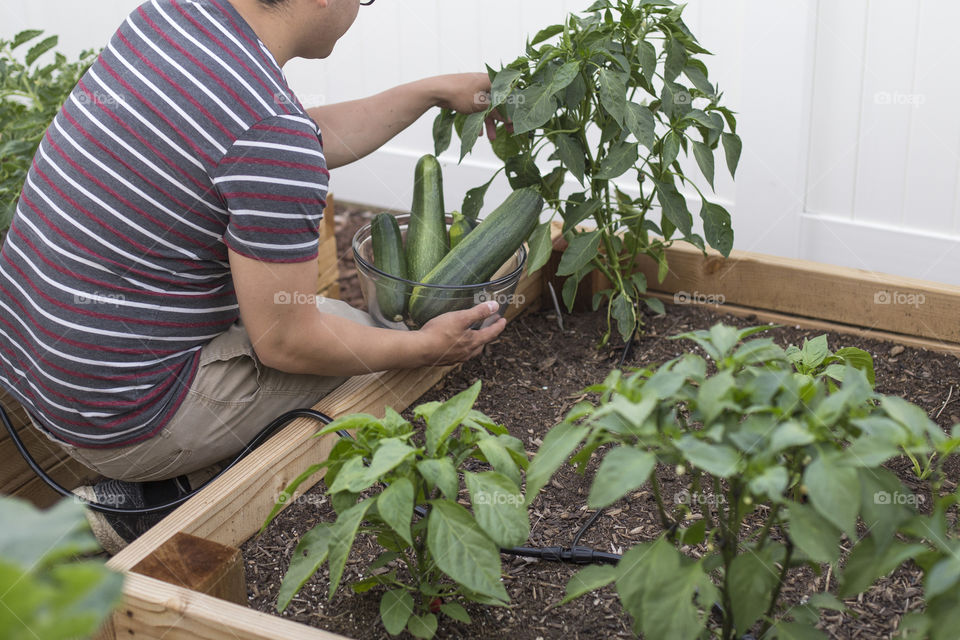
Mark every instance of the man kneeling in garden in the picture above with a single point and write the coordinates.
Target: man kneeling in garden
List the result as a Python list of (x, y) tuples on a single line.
[(173, 203)]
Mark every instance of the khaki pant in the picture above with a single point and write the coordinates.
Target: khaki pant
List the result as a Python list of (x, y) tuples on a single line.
[(232, 398)]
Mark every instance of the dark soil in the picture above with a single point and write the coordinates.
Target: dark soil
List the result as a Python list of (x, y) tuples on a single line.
[(531, 376)]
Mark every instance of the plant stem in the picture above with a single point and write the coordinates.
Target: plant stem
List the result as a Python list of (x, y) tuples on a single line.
[(655, 485), (776, 592), (767, 526)]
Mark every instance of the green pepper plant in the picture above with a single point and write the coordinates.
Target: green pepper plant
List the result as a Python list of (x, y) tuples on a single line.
[(610, 97), (776, 468), (48, 587), (386, 483), (30, 96)]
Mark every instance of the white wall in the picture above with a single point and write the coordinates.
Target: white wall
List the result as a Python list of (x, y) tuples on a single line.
[(846, 110)]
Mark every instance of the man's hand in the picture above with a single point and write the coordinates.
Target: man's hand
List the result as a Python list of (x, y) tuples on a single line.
[(450, 339), (469, 93)]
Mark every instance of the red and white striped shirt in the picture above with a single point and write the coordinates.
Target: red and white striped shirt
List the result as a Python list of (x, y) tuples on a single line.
[(182, 139)]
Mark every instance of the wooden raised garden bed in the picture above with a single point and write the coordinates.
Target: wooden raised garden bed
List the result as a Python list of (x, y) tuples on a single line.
[(167, 598)]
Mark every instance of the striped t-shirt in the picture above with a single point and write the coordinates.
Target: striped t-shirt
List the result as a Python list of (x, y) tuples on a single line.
[(183, 139)]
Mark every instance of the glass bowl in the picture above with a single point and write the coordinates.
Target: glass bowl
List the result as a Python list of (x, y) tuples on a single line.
[(500, 287)]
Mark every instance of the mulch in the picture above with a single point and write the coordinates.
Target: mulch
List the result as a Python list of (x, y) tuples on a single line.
[(531, 376)]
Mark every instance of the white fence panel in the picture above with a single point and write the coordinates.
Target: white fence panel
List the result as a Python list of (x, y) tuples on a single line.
[(846, 108)]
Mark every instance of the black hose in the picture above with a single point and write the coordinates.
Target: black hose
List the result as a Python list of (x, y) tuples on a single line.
[(583, 529), (626, 347)]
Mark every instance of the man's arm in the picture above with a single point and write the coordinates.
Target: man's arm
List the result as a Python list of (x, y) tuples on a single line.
[(356, 128), (299, 338)]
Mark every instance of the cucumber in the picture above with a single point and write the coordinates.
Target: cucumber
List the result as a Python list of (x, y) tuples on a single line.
[(427, 241), (388, 257), (461, 226), (477, 256)]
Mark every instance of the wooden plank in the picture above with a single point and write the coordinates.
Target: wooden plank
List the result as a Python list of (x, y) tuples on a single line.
[(199, 565), (155, 610), (856, 297), (328, 285), (68, 473)]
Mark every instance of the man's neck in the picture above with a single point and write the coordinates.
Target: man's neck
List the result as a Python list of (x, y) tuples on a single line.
[(272, 26)]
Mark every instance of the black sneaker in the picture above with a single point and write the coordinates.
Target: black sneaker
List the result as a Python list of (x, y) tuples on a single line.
[(116, 531)]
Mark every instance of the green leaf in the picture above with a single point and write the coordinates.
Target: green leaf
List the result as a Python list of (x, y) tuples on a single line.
[(698, 77), (589, 579), (557, 446), (834, 491), (613, 94), (395, 506), (456, 611), (714, 394), (424, 626), (866, 564), (499, 507), (771, 483), (622, 310), (539, 103), (582, 249), (622, 470), (619, 160), (396, 607), (502, 85), (307, 558), (674, 206), (352, 477), (39, 49), (390, 454), (506, 145), (578, 210), (668, 595), (25, 36), (796, 631), (448, 417), (812, 534), (716, 459), (473, 201), (462, 551), (704, 156), (30, 537), (441, 474), (671, 148), (472, 128), (443, 131), (541, 247), (716, 227), (571, 154), (732, 146), (881, 512), (655, 305), (640, 122), (859, 359), (648, 60), (547, 33), (569, 291), (500, 459), (752, 579), (342, 534), (676, 59), (942, 577)]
